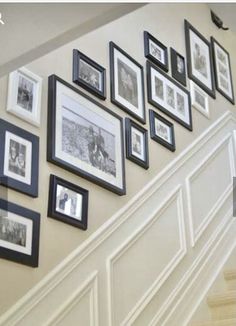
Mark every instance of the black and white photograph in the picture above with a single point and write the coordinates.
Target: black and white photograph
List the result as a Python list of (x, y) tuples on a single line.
[(68, 202), (86, 138), (199, 59), (162, 130), (19, 234), (136, 143), (223, 74), (199, 99), (155, 51), (89, 74), (127, 83), (178, 67), (168, 96), (24, 95), (19, 150)]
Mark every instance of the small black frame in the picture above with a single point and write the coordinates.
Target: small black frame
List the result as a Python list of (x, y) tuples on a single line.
[(89, 81), (28, 251), (138, 152), (162, 62), (69, 190), (178, 70), (153, 133)]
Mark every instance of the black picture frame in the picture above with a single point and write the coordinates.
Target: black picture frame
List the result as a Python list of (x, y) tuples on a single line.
[(199, 59), (22, 245), (136, 152), (74, 122), (169, 96), (84, 69), (178, 70), (127, 83), (160, 51), (19, 166), (223, 73), (168, 139), (77, 198)]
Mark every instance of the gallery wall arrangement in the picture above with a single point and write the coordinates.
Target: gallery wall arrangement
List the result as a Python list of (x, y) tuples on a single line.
[(90, 140)]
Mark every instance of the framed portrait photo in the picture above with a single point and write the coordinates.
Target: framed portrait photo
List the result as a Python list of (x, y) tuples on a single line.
[(19, 234), (84, 137), (19, 151), (89, 74), (199, 59), (155, 51), (68, 202), (24, 95), (178, 67), (127, 83), (169, 96), (136, 143), (199, 99), (162, 130), (223, 74)]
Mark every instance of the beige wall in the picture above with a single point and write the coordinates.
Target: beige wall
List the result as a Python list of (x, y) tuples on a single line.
[(57, 240)]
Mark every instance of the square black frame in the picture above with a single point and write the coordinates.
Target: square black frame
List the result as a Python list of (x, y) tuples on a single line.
[(219, 89), (16, 256), (191, 75), (77, 57), (129, 155), (29, 189), (179, 76), (152, 116), (141, 115), (53, 213)]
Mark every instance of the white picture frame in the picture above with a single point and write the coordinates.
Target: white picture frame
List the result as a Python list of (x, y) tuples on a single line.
[(199, 99), (24, 95)]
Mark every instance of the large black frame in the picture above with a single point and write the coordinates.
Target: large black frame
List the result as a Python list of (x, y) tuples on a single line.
[(129, 124), (7, 181), (152, 116), (77, 57), (188, 29), (147, 38), (176, 74), (14, 255), (119, 187), (141, 115), (53, 213)]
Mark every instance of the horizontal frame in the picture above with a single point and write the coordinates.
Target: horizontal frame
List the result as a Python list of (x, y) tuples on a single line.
[(95, 84), (199, 99), (226, 75), (136, 151), (19, 234), (19, 166), (161, 49), (127, 83), (200, 66), (75, 151), (178, 70), (75, 196), (153, 116), (180, 96)]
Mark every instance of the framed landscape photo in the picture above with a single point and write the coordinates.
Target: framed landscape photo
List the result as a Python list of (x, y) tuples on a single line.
[(136, 143), (19, 164), (155, 51), (84, 137), (178, 67), (19, 234), (223, 74), (199, 99), (127, 83), (24, 95), (89, 74), (199, 59), (162, 130), (168, 96), (68, 202)]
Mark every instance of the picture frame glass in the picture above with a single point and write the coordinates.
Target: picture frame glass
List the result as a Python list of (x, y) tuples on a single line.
[(90, 75), (26, 93), (137, 143), (157, 52), (163, 131)]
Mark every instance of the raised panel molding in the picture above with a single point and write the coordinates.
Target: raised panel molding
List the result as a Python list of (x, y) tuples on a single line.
[(174, 198), (203, 167)]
